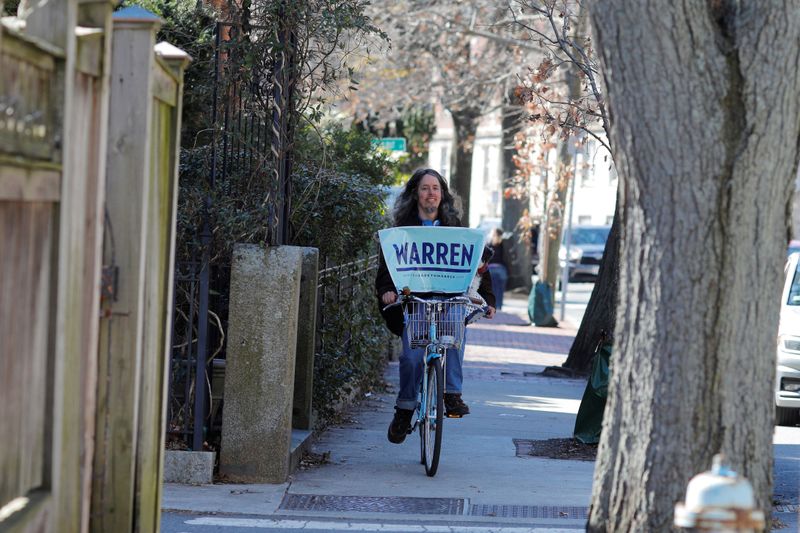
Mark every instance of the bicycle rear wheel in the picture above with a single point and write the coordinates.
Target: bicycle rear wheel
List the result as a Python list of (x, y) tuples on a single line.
[(432, 418)]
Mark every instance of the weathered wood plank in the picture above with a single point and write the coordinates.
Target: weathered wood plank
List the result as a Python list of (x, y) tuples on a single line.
[(29, 183), (50, 263), (81, 227), (25, 300), (26, 108), (90, 50), (95, 166), (165, 88), (27, 51), (118, 419), (156, 325), (29, 70), (176, 61)]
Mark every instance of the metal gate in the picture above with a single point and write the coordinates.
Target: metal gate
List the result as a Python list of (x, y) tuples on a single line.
[(248, 157)]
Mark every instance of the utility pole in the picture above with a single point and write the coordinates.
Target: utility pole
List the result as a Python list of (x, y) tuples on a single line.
[(568, 234)]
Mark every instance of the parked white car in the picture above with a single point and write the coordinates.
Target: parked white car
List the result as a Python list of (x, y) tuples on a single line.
[(787, 383)]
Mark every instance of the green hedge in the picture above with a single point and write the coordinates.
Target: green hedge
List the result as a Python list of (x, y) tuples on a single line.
[(338, 183)]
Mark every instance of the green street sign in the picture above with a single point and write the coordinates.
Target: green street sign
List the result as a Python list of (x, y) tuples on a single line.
[(391, 144)]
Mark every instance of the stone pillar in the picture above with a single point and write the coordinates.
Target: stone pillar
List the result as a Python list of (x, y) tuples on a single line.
[(302, 416), (259, 375)]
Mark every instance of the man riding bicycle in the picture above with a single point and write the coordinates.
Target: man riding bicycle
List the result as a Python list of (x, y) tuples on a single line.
[(425, 201)]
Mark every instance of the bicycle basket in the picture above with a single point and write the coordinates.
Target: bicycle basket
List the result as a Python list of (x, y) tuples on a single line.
[(449, 318)]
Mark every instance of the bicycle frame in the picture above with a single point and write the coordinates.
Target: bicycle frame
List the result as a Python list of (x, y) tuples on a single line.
[(437, 325), (432, 351)]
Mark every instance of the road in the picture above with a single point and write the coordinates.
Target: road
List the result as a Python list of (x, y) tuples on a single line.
[(578, 295)]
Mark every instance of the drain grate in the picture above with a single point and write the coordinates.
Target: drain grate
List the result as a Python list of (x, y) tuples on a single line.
[(372, 504), (530, 511)]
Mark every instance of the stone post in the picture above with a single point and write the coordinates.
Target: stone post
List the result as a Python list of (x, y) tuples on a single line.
[(302, 416), (259, 375)]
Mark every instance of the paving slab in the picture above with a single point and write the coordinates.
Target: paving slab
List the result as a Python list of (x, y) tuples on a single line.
[(224, 498)]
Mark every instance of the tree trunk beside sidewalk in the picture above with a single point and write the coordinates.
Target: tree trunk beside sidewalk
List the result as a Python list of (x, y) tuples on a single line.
[(601, 311), (465, 126), (706, 147), (515, 207)]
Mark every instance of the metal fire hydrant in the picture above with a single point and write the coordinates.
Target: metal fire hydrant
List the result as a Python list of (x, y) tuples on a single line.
[(719, 500)]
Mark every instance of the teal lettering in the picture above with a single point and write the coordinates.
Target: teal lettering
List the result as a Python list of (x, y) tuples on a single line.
[(441, 253), (466, 254), (413, 257), (402, 253), (427, 253)]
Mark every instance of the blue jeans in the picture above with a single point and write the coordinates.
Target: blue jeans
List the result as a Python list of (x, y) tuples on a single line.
[(411, 365), (499, 279)]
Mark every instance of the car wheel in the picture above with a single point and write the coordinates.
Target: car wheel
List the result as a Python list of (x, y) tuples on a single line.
[(785, 416)]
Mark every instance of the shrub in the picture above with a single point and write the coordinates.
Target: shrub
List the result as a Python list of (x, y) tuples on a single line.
[(339, 185)]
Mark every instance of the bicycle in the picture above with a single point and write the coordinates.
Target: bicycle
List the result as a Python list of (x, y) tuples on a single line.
[(436, 325)]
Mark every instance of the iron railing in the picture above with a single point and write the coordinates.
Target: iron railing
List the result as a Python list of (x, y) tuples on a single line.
[(249, 120), (337, 282)]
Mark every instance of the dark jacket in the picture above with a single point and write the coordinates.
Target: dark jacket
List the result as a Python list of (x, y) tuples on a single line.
[(383, 283)]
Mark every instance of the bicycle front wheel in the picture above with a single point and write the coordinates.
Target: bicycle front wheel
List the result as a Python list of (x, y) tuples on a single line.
[(433, 417)]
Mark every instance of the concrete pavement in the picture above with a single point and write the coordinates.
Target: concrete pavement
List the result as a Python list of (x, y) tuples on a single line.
[(366, 483)]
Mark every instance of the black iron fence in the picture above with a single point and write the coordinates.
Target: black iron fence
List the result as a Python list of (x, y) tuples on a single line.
[(245, 191), (351, 342), (339, 283)]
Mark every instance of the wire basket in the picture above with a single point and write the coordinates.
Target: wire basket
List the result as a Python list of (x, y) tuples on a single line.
[(450, 319)]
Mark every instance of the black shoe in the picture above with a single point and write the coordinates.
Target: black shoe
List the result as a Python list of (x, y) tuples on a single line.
[(400, 426), (454, 406)]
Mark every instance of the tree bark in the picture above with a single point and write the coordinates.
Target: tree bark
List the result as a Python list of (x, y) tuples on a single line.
[(465, 126), (601, 310), (555, 222), (705, 123), (550, 270), (519, 258)]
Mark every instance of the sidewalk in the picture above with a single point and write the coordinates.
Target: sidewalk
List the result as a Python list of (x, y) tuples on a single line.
[(361, 482), (480, 481)]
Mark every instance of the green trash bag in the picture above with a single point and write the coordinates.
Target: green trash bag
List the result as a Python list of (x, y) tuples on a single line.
[(589, 421), (540, 306)]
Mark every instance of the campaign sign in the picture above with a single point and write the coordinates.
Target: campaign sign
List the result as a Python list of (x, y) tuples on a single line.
[(432, 259)]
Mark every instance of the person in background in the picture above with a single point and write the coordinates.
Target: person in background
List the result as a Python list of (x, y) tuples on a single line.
[(498, 268), (425, 201)]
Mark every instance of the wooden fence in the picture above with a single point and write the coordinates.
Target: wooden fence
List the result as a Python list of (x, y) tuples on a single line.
[(66, 222)]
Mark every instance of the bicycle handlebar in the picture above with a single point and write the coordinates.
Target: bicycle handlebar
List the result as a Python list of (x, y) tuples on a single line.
[(401, 299)]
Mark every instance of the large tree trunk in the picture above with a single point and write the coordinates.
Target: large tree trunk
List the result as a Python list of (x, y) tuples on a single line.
[(556, 219), (601, 310), (703, 99), (556, 222), (514, 207), (465, 126)]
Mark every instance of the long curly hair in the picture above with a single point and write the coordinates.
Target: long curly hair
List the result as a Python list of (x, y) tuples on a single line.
[(406, 206)]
